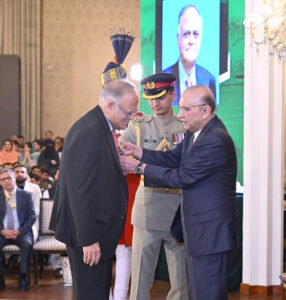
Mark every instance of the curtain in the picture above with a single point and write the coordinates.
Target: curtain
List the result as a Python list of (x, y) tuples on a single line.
[(20, 34)]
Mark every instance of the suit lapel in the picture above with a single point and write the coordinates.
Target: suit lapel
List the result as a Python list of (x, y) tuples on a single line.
[(207, 127), (2, 205), (189, 135), (109, 137), (18, 203)]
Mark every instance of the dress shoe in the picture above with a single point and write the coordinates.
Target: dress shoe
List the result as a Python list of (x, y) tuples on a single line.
[(59, 272), (23, 285), (2, 283)]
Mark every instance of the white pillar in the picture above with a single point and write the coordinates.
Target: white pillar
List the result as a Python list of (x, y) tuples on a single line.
[(263, 163)]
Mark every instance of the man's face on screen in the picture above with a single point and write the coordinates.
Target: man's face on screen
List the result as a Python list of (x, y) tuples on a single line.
[(189, 36)]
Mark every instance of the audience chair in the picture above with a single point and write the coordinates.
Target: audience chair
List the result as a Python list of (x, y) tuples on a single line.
[(46, 244)]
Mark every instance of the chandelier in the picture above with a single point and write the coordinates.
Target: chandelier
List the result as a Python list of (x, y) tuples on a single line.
[(269, 28)]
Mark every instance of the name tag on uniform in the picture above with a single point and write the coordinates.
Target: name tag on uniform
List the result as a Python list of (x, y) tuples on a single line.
[(150, 141)]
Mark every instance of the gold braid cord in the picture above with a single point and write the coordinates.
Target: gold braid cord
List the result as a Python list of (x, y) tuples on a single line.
[(10, 199), (164, 145), (138, 134)]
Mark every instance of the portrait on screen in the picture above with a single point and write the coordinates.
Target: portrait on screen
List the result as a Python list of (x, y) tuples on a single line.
[(190, 43)]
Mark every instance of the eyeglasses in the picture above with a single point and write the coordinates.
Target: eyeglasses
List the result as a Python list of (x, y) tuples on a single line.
[(185, 109), (129, 114)]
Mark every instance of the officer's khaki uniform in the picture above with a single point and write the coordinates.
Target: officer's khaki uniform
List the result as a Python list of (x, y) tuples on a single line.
[(152, 215)]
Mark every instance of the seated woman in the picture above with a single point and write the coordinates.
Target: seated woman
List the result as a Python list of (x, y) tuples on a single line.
[(8, 154), (27, 158)]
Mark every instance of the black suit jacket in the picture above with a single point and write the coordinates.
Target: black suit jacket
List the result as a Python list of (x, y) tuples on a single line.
[(203, 76), (25, 211), (91, 196), (206, 173)]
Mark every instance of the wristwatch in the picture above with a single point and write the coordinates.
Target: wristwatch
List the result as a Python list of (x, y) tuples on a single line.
[(138, 169)]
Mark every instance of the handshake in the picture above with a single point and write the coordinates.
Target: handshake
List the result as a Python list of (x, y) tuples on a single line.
[(129, 157)]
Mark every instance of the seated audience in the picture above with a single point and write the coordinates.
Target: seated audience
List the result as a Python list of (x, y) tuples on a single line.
[(14, 138), (46, 183), (48, 135), (8, 153), (22, 181), (21, 139), (37, 145), (59, 143), (16, 220), (49, 157), (27, 158), (19, 148), (8, 165), (36, 179)]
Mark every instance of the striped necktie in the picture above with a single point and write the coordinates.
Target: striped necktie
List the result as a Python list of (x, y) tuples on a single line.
[(189, 81), (114, 135)]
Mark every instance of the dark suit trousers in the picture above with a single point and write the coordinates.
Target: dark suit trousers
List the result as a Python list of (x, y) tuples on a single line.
[(91, 283), (25, 243), (207, 276)]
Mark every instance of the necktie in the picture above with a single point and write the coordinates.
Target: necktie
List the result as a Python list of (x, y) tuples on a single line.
[(191, 142), (189, 82), (114, 135), (9, 211)]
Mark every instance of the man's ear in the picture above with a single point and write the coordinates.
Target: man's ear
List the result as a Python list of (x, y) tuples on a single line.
[(109, 104), (206, 110)]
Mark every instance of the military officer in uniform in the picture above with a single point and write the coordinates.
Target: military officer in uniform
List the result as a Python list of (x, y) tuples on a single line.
[(154, 208)]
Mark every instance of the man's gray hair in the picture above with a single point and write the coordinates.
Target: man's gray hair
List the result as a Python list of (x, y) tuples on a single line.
[(183, 10), (115, 90), (8, 171)]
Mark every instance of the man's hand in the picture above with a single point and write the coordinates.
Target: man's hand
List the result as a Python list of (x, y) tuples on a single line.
[(91, 254), (130, 149), (14, 234), (10, 234), (128, 164)]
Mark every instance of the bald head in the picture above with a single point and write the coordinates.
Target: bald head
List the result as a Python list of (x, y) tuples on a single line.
[(197, 107), (203, 94)]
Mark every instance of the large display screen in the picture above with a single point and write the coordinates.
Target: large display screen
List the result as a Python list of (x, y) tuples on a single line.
[(190, 42), (227, 39)]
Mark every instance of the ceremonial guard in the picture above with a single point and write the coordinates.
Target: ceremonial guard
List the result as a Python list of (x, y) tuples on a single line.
[(154, 208)]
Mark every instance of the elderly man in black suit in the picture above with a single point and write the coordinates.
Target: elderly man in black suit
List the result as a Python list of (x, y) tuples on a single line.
[(91, 198), (204, 166), (17, 215)]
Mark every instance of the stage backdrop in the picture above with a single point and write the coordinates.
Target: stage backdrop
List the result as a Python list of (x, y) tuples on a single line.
[(230, 107)]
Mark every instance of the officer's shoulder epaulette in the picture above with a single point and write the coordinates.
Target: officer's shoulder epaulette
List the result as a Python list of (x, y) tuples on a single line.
[(140, 117)]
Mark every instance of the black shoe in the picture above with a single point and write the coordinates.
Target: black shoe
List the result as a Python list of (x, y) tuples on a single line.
[(58, 272), (23, 285), (2, 283)]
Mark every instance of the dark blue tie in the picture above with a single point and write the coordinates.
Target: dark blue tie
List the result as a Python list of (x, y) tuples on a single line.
[(191, 142)]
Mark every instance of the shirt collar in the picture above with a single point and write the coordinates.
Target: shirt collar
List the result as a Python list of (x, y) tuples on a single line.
[(196, 134), (11, 193), (109, 124)]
